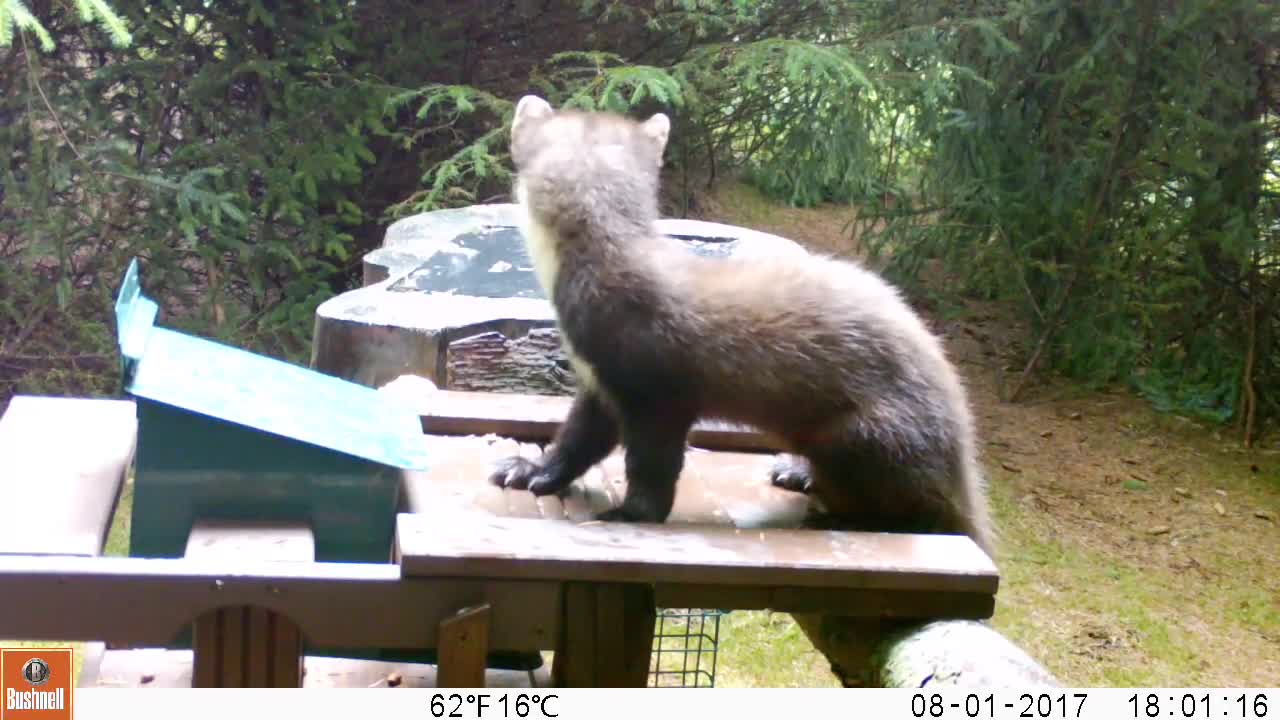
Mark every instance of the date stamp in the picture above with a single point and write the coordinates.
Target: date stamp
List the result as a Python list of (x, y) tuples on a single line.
[(989, 705)]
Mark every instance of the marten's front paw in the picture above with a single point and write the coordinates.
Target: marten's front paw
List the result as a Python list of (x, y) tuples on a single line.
[(515, 473), (520, 473), (791, 472)]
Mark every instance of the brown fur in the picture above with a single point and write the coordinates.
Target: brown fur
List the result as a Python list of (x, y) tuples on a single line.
[(820, 353)]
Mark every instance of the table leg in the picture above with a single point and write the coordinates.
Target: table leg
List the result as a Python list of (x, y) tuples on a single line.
[(607, 636)]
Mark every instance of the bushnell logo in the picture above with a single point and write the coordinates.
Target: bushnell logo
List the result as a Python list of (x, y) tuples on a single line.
[(36, 672), (36, 683)]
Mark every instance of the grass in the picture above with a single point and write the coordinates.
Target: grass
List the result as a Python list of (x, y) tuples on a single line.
[(767, 649)]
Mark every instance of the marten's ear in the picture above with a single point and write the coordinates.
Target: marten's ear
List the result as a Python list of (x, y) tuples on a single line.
[(657, 129), (530, 107)]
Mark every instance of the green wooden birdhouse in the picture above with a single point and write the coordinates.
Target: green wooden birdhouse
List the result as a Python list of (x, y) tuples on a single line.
[(231, 435)]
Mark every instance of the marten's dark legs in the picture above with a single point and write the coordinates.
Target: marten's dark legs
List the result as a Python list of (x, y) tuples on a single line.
[(871, 487), (585, 438), (654, 436)]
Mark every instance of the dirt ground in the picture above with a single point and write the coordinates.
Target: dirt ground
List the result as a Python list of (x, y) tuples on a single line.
[(1136, 548)]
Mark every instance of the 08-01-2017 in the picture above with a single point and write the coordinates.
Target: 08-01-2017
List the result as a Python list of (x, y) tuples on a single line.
[(1082, 705)]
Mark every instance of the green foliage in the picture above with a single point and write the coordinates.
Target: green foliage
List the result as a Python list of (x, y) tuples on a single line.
[(14, 16), (1107, 167), (1103, 165)]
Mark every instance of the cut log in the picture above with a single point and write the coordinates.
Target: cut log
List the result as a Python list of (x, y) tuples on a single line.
[(912, 654), (456, 275)]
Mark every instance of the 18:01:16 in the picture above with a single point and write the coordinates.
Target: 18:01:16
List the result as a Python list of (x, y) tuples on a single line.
[(1191, 706)]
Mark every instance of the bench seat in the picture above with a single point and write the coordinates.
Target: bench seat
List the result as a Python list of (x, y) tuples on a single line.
[(63, 462)]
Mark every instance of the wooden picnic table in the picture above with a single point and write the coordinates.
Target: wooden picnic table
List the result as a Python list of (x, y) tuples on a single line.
[(451, 297), (473, 569)]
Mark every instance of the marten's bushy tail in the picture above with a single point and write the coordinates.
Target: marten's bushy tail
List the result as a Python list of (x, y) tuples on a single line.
[(972, 508)]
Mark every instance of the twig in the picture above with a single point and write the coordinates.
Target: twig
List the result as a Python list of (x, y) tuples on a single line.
[(35, 82), (1250, 395), (1050, 328), (15, 357)]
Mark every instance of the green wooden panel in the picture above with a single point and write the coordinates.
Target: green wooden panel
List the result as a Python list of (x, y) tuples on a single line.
[(228, 434), (259, 392), (190, 466)]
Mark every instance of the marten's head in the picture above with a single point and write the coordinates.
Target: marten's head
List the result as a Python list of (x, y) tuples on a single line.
[(575, 165)]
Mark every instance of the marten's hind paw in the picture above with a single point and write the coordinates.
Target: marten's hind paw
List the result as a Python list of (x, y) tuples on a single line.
[(791, 472)]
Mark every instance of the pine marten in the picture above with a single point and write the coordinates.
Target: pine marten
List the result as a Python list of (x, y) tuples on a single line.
[(820, 353)]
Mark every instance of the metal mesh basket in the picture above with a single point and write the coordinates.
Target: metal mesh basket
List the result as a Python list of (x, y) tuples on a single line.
[(684, 648)]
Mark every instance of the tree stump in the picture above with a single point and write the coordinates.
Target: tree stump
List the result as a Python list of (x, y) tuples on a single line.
[(451, 296)]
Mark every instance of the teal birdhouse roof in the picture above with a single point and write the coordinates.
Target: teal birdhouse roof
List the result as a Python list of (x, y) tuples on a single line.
[(255, 391)]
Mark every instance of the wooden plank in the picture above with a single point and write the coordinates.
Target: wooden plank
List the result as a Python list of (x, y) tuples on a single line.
[(142, 602), (160, 668), (206, 646), (535, 418), (836, 601), (463, 648), (720, 597), (473, 545), (231, 661), (286, 653), (574, 664), (62, 463), (261, 643), (728, 488), (258, 539), (607, 639), (625, 615)]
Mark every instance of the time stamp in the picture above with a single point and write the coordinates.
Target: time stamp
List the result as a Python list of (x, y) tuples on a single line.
[(1231, 705)]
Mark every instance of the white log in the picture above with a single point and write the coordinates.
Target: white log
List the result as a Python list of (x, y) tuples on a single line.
[(910, 654)]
